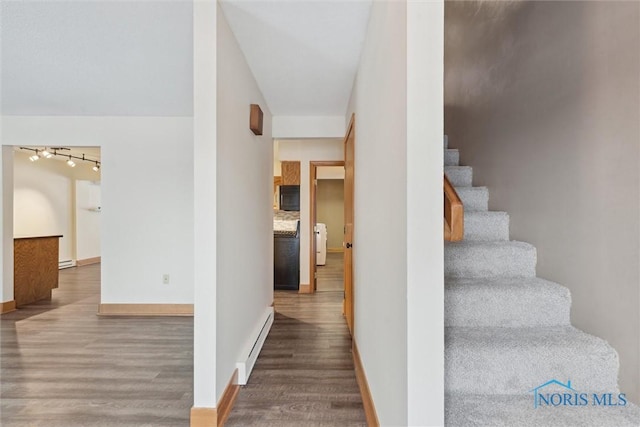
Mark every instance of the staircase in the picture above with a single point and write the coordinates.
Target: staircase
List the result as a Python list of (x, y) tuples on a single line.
[(508, 332)]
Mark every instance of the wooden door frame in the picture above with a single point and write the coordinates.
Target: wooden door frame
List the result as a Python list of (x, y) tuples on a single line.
[(313, 174), (349, 314)]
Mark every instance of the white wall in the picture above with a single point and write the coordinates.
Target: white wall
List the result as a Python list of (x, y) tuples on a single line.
[(87, 219), (277, 166), (245, 213), (543, 100), (205, 193), (308, 127), (330, 210), (380, 224), (425, 249), (330, 172), (306, 151), (147, 208), (6, 221), (398, 246)]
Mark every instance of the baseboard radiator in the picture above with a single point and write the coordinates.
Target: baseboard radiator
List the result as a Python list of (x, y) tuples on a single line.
[(66, 264), (252, 349)]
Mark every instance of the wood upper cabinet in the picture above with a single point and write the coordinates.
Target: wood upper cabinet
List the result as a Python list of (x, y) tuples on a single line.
[(290, 173)]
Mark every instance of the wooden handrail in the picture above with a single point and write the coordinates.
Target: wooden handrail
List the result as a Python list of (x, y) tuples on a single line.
[(453, 213)]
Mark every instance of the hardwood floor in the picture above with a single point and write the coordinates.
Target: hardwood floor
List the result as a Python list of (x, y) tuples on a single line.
[(62, 365), (304, 375), (331, 275)]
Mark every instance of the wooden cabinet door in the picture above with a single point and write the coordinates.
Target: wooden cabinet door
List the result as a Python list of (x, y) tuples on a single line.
[(290, 173)]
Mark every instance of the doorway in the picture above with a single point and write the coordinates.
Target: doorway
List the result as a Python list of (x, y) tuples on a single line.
[(324, 177), (56, 198), (328, 228)]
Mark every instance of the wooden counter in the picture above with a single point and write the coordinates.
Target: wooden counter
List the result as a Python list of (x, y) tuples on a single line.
[(35, 271)]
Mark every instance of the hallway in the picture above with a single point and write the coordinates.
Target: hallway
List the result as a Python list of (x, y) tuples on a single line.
[(331, 275), (304, 375)]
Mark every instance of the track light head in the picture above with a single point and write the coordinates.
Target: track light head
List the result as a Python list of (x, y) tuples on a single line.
[(96, 168), (71, 163), (46, 154)]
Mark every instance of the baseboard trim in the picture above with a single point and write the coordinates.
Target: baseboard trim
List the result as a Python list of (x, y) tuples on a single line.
[(367, 400), (203, 417), (228, 399), (7, 306), (335, 250), (145, 310), (216, 417), (304, 288), (88, 261)]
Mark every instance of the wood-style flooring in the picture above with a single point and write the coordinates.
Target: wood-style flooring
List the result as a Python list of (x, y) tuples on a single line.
[(62, 365), (304, 375), (331, 275)]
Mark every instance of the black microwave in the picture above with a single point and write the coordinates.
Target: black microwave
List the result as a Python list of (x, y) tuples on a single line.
[(290, 197)]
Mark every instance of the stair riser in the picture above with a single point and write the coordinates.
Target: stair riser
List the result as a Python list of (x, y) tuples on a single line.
[(478, 305), (451, 157), (492, 261), (493, 226), (482, 369), (459, 176), (474, 199)]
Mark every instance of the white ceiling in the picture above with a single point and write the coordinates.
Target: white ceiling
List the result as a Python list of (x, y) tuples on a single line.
[(304, 54), (135, 58), (124, 58)]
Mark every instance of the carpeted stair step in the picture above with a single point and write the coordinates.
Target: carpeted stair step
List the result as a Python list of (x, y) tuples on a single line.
[(473, 410), (451, 157), (489, 259), (506, 302), (487, 225), (474, 198), (459, 176), (515, 360)]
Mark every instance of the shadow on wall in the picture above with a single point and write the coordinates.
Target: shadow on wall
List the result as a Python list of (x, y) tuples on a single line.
[(485, 66)]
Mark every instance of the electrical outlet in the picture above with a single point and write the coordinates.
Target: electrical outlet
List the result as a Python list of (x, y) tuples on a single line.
[(166, 279)]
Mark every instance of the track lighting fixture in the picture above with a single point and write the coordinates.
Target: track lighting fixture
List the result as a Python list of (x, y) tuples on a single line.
[(53, 151)]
